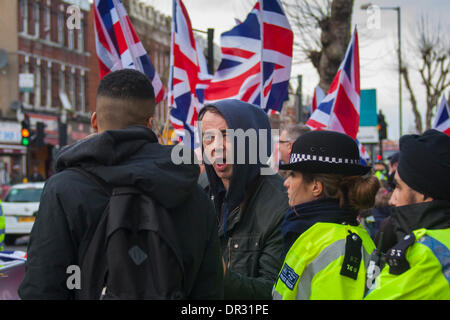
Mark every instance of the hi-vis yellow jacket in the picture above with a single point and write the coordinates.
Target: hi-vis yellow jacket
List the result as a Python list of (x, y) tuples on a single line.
[(328, 261), (2, 228), (428, 276)]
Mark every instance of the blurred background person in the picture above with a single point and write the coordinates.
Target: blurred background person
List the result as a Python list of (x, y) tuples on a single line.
[(16, 176), (392, 166), (35, 175), (288, 135)]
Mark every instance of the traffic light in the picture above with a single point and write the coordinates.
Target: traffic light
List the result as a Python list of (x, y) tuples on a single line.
[(382, 127), (26, 132), (40, 134)]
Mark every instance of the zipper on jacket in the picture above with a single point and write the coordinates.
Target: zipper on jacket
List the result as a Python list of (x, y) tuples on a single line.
[(229, 254)]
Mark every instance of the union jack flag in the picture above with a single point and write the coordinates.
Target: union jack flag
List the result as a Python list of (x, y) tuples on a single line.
[(256, 51), (118, 46), (317, 98), (185, 80), (339, 109), (248, 48), (442, 121)]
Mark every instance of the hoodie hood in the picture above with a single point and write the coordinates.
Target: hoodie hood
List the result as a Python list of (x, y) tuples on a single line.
[(240, 115), (133, 156)]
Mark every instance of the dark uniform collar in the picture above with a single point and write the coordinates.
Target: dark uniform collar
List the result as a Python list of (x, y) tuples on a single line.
[(429, 215)]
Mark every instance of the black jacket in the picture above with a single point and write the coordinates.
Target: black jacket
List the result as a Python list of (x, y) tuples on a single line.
[(72, 204), (253, 249)]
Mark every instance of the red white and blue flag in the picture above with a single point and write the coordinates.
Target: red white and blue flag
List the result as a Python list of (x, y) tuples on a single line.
[(118, 46), (317, 98), (185, 80), (442, 120), (256, 59), (339, 109), (255, 66)]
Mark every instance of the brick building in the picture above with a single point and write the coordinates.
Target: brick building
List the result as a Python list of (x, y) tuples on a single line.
[(52, 73), (47, 72)]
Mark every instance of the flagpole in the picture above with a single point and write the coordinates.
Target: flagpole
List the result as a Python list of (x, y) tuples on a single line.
[(166, 126), (261, 32)]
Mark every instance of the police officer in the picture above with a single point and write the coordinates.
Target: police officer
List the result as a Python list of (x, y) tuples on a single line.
[(327, 250), (418, 265)]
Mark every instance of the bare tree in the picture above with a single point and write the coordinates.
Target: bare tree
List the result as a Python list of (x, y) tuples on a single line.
[(432, 45), (322, 33)]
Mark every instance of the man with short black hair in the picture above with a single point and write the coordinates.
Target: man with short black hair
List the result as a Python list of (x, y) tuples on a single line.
[(124, 152), (418, 264)]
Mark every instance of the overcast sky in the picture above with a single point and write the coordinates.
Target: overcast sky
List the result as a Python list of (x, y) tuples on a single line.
[(378, 55)]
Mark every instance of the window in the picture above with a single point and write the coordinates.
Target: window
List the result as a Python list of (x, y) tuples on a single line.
[(70, 39), (47, 22), (61, 28), (49, 85), (36, 18), (72, 88), (37, 84), (24, 195), (81, 37), (26, 69), (82, 92), (24, 15), (62, 80)]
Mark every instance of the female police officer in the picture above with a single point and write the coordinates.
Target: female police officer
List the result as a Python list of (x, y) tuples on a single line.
[(327, 250)]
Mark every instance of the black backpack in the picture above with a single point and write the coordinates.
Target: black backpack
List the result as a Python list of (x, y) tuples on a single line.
[(134, 252)]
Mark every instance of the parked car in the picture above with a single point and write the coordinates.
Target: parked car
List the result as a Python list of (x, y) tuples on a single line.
[(20, 207)]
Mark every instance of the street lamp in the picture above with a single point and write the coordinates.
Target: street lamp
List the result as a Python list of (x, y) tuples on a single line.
[(399, 34)]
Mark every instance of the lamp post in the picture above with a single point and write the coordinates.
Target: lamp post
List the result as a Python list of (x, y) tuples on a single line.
[(210, 39), (399, 37)]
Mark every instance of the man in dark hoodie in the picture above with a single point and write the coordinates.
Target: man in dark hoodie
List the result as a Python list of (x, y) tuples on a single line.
[(124, 152), (250, 203)]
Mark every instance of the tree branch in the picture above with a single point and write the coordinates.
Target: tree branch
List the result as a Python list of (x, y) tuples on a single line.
[(412, 98)]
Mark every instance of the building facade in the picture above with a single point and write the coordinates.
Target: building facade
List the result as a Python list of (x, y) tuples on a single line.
[(47, 77)]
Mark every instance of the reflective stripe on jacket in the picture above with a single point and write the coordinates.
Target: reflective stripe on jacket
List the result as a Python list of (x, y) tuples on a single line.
[(428, 276), (2, 228), (312, 268)]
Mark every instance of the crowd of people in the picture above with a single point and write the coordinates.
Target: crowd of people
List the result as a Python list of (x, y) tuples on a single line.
[(330, 229)]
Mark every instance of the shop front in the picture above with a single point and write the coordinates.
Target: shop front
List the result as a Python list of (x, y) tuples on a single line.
[(12, 153)]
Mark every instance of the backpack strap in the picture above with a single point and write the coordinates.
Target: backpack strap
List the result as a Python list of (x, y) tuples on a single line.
[(109, 191)]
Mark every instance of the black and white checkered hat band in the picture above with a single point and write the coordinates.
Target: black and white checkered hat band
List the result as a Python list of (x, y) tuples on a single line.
[(299, 157)]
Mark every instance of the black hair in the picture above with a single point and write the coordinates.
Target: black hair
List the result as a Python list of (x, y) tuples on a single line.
[(125, 84), (209, 108)]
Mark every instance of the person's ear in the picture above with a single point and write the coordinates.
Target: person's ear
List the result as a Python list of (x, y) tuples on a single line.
[(150, 123), (425, 198), (94, 122), (290, 144), (317, 188)]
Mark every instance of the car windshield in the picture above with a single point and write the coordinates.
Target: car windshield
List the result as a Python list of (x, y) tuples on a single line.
[(24, 195)]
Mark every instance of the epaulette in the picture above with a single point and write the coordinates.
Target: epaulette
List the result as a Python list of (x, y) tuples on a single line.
[(396, 256)]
